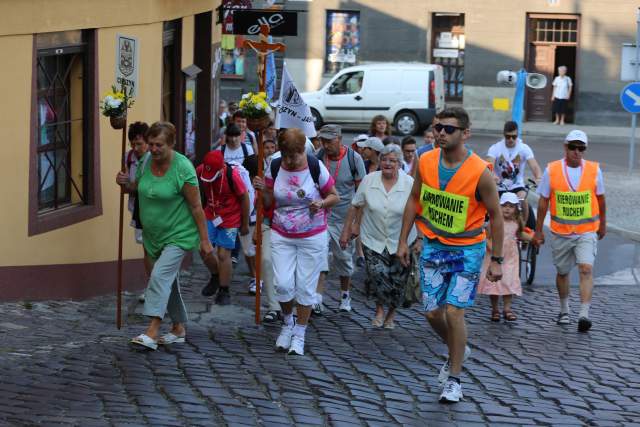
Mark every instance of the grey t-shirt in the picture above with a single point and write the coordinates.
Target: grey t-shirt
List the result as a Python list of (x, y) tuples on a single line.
[(345, 183)]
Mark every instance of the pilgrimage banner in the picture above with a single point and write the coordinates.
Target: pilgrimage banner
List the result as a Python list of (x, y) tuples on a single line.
[(292, 111)]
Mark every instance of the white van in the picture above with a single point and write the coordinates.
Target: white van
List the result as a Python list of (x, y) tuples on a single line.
[(407, 94)]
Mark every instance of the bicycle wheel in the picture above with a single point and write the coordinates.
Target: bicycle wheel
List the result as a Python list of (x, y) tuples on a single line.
[(532, 257)]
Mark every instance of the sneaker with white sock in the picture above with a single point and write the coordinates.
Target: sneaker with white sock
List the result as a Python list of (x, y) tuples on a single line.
[(297, 345), (283, 343), (345, 303), (451, 392), (444, 371)]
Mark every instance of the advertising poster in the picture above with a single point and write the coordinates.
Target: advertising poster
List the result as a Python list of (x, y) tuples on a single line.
[(233, 54), (343, 40)]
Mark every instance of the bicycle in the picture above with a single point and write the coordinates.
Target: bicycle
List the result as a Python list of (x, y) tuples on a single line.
[(528, 252)]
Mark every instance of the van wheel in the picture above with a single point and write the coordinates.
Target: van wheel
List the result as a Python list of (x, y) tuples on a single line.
[(317, 118), (406, 123)]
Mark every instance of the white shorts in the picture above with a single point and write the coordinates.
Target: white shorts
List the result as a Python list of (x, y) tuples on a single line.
[(295, 266), (571, 250)]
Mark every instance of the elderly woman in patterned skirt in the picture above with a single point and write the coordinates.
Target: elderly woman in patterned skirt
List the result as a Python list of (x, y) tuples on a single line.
[(376, 216)]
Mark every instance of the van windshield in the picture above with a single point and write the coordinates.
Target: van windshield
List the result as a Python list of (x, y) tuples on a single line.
[(347, 83)]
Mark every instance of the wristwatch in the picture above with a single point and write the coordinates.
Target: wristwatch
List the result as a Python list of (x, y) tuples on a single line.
[(497, 259)]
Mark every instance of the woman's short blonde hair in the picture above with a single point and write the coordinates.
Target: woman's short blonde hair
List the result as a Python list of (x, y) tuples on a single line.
[(166, 129), (292, 141)]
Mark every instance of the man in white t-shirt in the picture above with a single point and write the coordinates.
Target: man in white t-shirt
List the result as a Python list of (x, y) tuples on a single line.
[(572, 189), (510, 157), (562, 86), (234, 150)]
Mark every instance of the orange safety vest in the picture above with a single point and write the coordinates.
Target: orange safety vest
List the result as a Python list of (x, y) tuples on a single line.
[(574, 211), (452, 216)]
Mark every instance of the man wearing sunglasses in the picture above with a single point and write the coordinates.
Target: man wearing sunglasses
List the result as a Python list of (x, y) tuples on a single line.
[(573, 190), (452, 192), (510, 157)]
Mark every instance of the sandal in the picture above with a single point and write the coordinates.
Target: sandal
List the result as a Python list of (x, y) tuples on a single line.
[(144, 340), (377, 322), (495, 316), (171, 338), (271, 316), (510, 316)]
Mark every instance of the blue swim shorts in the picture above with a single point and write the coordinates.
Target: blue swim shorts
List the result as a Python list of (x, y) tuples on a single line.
[(449, 275), (222, 237)]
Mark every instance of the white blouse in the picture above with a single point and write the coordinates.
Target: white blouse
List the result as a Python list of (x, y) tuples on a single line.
[(382, 216)]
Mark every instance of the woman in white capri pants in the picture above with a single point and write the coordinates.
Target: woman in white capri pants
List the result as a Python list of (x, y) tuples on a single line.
[(302, 191)]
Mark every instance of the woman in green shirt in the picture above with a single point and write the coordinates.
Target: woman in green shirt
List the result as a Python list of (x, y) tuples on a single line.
[(173, 224)]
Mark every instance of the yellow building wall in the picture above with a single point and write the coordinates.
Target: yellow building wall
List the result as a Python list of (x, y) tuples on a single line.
[(94, 240)]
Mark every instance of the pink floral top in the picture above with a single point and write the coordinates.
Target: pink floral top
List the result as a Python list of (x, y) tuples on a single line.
[(293, 192)]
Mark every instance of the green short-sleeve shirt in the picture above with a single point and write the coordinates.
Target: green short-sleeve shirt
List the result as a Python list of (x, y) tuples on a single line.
[(164, 212)]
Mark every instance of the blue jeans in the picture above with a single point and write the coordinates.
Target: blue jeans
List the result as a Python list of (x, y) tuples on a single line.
[(163, 292)]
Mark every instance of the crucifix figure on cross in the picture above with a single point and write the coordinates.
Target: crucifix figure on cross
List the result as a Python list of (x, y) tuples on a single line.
[(263, 48)]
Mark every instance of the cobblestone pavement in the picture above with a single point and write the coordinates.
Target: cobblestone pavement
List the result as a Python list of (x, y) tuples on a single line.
[(65, 363)]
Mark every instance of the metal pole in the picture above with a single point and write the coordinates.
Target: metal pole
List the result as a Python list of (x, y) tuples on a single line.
[(632, 145)]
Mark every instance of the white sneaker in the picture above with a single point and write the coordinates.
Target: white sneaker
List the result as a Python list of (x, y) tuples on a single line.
[(451, 392), (444, 371), (345, 304), (252, 286), (297, 345), (283, 343)]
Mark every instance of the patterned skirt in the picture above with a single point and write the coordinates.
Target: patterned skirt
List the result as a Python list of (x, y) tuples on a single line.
[(386, 278)]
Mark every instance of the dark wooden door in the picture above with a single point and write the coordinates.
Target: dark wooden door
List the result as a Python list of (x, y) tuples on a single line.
[(541, 60)]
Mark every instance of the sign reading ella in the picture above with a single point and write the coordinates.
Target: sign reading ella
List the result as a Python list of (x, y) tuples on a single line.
[(127, 62), (280, 23)]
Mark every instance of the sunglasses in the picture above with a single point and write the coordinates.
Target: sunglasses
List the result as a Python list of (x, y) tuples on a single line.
[(574, 147), (511, 137), (448, 129)]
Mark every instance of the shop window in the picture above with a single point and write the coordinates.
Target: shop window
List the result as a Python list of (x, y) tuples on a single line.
[(343, 40), (233, 54), (63, 173)]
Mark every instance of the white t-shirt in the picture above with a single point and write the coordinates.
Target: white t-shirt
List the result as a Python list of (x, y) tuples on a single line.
[(293, 192), (246, 178), (561, 87), (406, 167), (236, 156), (544, 188), (510, 163)]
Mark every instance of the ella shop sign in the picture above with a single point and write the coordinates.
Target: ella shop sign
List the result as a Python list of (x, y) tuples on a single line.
[(281, 23), (127, 63)]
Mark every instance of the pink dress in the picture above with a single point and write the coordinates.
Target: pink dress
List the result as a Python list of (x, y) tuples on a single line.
[(510, 282)]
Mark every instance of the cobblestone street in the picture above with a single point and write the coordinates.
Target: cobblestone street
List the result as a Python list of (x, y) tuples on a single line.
[(66, 363)]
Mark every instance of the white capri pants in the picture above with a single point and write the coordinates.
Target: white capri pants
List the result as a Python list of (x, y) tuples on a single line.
[(295, 266)]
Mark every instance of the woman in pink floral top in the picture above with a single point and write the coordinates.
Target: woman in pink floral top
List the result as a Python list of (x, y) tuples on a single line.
[(299, 237)]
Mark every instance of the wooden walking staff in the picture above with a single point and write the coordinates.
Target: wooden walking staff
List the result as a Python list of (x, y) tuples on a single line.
[(262, 49), (121, 224)]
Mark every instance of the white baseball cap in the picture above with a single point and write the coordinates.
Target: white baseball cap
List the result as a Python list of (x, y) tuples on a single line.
[(576, 135), (360, 138), (372, 142), (509, 197)]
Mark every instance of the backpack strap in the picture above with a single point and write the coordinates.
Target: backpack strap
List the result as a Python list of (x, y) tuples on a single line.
[(352, 162), (245, 150), (229, 173), (314, 168), (275, 167), (223, 148)]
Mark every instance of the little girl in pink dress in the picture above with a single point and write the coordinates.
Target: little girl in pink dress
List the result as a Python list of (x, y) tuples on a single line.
[(509, 285)]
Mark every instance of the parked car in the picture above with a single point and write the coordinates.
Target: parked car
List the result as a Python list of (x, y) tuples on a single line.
[(407, 94)]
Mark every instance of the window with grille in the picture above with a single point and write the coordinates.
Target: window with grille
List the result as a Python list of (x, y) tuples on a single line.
[(64, 177), (554, 31)]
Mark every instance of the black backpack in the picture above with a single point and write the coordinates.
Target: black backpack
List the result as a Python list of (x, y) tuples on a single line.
[(350, 158), (314, 168)]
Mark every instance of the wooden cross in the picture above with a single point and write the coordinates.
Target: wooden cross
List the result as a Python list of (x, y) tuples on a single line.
[(262, 49)]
